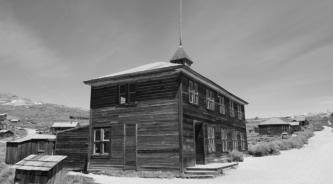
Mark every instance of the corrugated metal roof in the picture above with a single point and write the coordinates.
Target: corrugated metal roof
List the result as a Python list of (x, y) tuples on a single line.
[(274, 121), (65, 124), (39, 162)]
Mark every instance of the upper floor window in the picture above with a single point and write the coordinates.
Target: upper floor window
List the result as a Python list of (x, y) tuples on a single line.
[(221, 105), (211, 140), (101, 141), (210, 100), (126, 93), (239, 112), (193, 93), (231, 108)]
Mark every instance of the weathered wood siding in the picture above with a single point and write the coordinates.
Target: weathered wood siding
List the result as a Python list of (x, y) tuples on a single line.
[(17, 151), (274, 129), (151, 122), (73, 143), (200, 114)]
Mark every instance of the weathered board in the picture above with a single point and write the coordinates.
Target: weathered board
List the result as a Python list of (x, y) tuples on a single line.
[(73, 143)]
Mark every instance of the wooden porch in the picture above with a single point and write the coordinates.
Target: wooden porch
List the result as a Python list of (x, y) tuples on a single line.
[(208, 171)]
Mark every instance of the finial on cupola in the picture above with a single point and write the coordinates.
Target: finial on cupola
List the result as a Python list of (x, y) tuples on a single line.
[(180, 56)]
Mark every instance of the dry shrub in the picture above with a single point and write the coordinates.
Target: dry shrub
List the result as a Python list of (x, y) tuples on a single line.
[(6, 174), (274, 147), (236, 156)]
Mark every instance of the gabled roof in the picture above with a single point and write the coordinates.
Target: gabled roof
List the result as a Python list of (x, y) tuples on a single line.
[(39, 162), (274, 121), (65, 124)]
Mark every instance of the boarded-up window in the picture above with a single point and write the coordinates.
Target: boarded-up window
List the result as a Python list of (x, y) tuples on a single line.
[(210, 102), (101, 141), (193, 93), (127, 93), (224, 138), (211, 140), (221, 105), (234, 139), (41, 146)]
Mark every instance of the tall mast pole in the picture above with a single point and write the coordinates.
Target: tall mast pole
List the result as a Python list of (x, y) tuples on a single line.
[(180, 22)]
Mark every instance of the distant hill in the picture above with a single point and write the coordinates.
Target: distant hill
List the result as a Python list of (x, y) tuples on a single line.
[(38, 115)]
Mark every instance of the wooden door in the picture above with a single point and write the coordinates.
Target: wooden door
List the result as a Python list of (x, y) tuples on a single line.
[(199, 143), (130, 147)]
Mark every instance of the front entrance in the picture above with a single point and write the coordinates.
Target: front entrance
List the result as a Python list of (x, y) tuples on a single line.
[(199, 143), (130, 147)]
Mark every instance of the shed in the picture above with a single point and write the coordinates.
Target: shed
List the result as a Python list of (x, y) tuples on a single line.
[(6, 133), (274, 126), (37, 144), (74, 144), (42, 169), (295, 125), (60, 126)]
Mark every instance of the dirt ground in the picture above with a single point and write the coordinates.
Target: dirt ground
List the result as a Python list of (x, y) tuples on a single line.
[(312, 164)]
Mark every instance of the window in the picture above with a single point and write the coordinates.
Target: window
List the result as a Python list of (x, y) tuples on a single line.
[(127, 93), (221, 105), (239, 112), (224, 140), (231, 108), (193, 93), (211, 139), (234, 140), (210, 102), (101, 141)]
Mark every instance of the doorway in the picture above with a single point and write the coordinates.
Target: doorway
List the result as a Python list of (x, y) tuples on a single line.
[(199, 143), (130, 147)]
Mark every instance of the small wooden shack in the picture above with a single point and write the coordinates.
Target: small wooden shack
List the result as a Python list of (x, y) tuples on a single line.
[(74, 144), (60, 126), (41, 169), (38, 144), (274, 126)]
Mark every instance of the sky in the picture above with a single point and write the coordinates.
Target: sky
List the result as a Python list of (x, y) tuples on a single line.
[(277, 55)]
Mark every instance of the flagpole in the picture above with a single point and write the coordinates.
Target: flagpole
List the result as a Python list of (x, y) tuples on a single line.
[(180, 22)]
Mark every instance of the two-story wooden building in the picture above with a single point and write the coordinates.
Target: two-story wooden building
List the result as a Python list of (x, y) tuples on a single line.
[(162, 116)]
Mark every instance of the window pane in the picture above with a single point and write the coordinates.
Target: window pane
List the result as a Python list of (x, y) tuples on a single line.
[(97, 134), (106, 134), (106, 147), (98, 148)]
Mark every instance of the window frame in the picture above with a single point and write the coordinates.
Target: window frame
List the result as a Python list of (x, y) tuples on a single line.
[(210, 100), (193, 93), (231, 109), (211, 139), (129, 93), (102, 141), (239, 112), (224, 139), (221, 104)]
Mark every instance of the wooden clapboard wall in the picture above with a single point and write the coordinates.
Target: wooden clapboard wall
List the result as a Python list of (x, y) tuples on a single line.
[(144, 135), (199, 113), (16, 151), (73, 143)]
